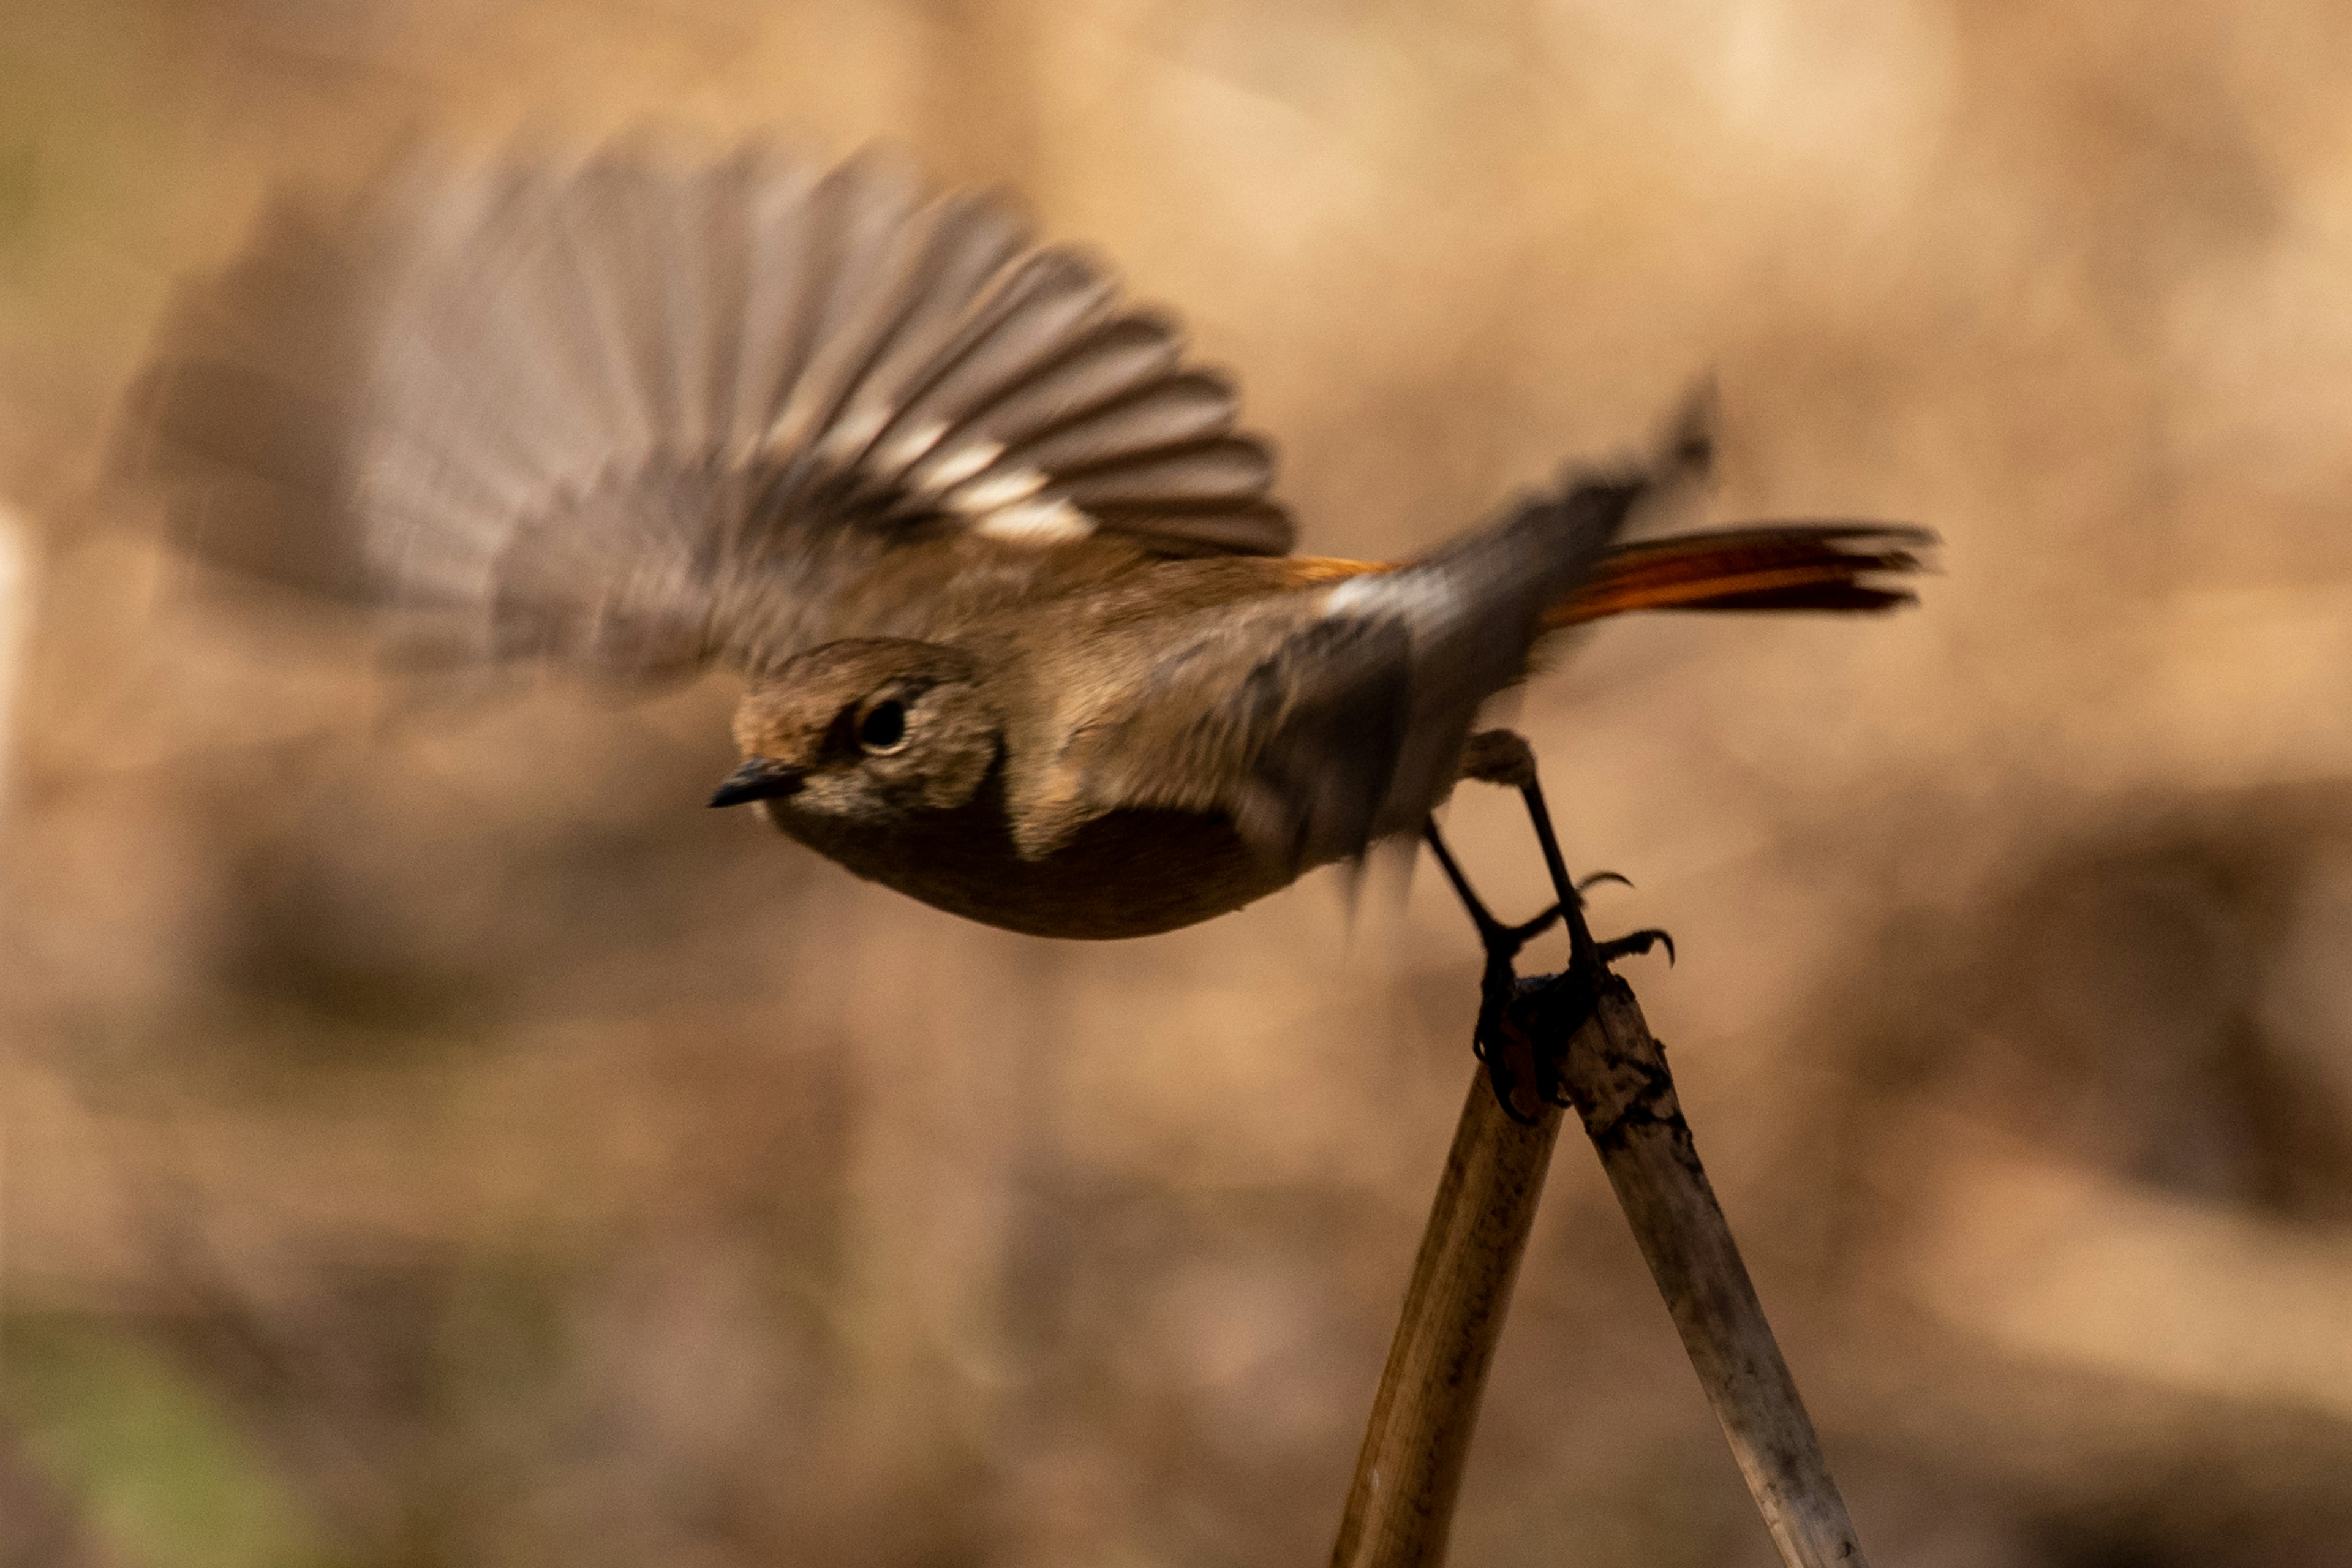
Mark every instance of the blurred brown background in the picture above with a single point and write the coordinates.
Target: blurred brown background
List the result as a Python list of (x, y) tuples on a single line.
[(433, 1139)]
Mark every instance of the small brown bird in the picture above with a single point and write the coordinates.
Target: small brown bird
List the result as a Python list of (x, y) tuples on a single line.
[(1008, 589)]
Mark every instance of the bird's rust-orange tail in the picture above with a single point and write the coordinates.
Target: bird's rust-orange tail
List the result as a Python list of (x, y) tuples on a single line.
[(1762, 566), (1771, 566)]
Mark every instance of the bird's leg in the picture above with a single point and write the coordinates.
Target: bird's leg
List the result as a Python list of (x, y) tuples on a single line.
[(1583, 953), (1509, 1055), (1503, 757), (1524, 1079)]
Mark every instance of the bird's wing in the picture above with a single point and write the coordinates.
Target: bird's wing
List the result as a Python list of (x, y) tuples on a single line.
[(1328, 717), (640, 417)]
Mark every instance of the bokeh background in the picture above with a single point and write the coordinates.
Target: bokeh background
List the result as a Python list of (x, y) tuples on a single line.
[(430, 1138)]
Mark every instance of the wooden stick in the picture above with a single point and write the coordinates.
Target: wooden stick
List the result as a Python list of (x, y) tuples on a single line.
[(1401, 1504), (1616, 1073), (1400, 1508)]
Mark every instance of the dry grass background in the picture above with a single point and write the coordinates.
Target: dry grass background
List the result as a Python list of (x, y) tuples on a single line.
[(433, 1139)]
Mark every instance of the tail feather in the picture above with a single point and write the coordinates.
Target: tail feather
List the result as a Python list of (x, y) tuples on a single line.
[(1774, 566)]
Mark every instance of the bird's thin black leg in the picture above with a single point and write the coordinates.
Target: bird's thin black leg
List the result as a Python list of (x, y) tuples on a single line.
[(1584, 952), (1493, 934), (1507, 1051), (1524, 1080)]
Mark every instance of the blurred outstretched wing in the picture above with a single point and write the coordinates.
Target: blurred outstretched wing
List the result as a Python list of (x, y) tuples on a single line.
[(640, 417)]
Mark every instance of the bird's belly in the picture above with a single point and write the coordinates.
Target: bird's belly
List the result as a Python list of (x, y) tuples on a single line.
[(1130, 873)]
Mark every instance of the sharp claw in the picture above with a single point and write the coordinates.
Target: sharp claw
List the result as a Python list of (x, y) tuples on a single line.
[(1506, 1085), (1633, 944), (1528, 930), (1598, 876), (1522, 1082)]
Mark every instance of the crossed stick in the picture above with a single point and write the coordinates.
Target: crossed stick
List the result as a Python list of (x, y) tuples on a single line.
[(1578, 1038)]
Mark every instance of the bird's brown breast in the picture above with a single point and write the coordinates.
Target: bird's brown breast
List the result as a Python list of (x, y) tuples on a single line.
[(1125, 873)]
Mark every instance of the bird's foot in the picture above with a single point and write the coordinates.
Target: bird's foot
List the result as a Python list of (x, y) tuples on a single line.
[(1512, 1012), (1633, 944)]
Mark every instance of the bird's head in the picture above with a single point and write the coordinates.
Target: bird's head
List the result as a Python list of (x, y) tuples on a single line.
[(868, 730)]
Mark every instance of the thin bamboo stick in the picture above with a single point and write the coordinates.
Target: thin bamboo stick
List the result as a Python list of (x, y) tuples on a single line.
[(1616, 1073), (1402, 1500), (1400, 1506)]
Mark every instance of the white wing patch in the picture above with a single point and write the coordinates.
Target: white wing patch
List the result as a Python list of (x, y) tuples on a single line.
[(1420, 595), (1037, 522), (958, 465), (903, 451)]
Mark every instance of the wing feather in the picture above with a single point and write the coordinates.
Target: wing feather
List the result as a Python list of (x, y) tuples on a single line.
[(636, 414)]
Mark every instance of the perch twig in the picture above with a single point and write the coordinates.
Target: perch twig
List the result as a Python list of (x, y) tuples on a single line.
[(1584, 1035), (1402, 1502), (1616, 1075)]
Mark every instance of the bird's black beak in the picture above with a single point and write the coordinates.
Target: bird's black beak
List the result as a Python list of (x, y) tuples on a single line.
[(762, 778)]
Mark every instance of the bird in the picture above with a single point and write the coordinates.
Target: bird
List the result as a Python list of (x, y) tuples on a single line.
[(1007, 585)]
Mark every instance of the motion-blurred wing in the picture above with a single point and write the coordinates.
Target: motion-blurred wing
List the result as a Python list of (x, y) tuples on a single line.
[(1337, 718), (642, 416)]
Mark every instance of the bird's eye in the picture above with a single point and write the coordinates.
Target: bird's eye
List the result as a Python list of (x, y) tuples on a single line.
[(884, 728)]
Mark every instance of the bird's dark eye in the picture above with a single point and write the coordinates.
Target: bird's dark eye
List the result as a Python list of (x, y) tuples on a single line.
[(884, 728)]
